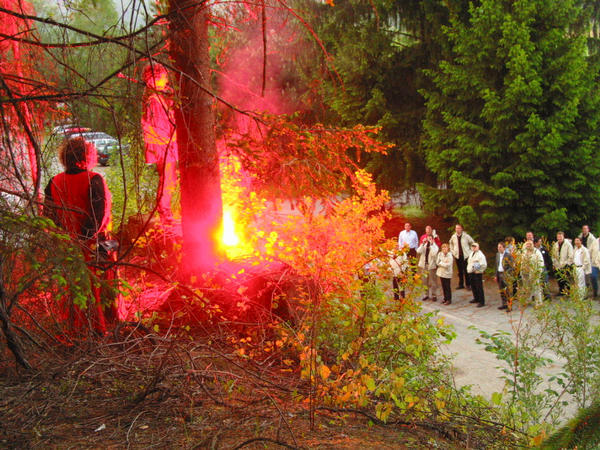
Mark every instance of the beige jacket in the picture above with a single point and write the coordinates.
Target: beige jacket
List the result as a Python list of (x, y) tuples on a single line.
[(532, 265), (430, 263), (590, 240), (595, 253), (477, 257), (566, 255), (399, 264), (444, 265), (581, 258), (465, 242)]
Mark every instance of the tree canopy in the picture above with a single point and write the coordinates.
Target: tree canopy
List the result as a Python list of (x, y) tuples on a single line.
[(512, 120)]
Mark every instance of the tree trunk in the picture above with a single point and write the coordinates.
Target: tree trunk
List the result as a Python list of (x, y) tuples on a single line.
[(12, 341), (201, 204)]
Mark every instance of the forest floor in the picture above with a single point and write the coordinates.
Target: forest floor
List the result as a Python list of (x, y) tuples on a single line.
[(143, 391), (184, 395)]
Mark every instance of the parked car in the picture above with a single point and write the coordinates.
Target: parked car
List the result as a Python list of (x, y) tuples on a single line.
[(105, 144), (68, 130)]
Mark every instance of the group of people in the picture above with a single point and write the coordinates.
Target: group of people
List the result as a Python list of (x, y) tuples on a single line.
[(573, 264), (436, 261)]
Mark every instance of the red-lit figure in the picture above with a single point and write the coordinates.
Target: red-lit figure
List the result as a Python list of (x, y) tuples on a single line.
[(78, 200), (159, 136)]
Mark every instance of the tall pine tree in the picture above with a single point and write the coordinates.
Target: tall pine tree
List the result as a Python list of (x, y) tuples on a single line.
[(511, 127)]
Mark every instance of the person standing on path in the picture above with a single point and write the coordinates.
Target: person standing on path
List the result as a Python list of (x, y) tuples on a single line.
[(589, 241), (399, 264), (428, 251), (583, 266), (548, 270), (586, 237), (444, 262), (562, 260), (460, 246), (595, 261), (409, 237), (476, 265), (504, 267), (429, 231), (532, 267)]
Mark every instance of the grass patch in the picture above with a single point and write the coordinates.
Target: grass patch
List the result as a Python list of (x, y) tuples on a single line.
[(409, 211)]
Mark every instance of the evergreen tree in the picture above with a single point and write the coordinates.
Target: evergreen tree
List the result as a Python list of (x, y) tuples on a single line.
[(512, 120), (378, 51)]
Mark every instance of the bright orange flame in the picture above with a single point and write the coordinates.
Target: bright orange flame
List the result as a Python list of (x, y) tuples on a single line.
[(230, 237)]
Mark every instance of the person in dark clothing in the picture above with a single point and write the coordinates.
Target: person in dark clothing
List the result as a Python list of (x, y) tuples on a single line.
[(78, 201), (504, 268), (548, 269)]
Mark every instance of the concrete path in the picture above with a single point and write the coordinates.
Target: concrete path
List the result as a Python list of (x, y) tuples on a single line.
[(472, 364)]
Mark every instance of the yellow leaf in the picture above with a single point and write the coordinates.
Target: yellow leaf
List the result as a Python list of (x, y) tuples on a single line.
[(324, 371), (537, 441), (370, 383)]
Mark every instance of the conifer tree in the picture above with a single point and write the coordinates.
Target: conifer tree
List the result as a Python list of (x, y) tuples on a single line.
[(511, 127)]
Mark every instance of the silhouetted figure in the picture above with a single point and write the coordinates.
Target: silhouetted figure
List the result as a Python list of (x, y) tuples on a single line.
[(158, 125)]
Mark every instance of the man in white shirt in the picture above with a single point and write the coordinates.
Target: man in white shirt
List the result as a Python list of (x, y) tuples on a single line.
[(408, 237)]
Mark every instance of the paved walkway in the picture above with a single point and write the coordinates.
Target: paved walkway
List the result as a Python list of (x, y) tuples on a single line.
[(473, 365)]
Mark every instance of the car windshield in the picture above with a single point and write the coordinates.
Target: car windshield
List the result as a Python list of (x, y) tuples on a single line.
[(94, 136)]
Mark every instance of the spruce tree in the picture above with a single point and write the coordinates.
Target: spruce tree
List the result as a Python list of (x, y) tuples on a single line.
[(511, 127)]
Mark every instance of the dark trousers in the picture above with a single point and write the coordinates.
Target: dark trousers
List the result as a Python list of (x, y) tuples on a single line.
[(446, 289), (564, 278), (463, 276), (477, 287), (594, 280), (396, 288), (502, 288)]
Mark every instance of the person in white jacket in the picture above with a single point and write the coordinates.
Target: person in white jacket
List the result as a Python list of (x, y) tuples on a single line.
[(562, 259), (532, 269), (427, 252), (582, 263), (460, 247), (399, 264), (476, 265), (589, 241), (444, 263)]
